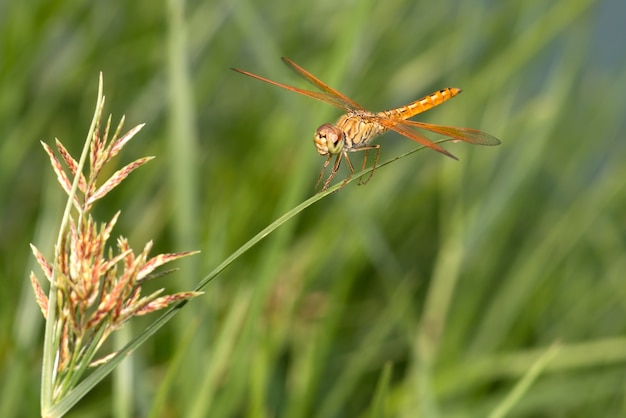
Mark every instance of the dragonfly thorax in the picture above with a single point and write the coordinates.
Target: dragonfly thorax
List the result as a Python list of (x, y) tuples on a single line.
[(329, 140), (359, 127)]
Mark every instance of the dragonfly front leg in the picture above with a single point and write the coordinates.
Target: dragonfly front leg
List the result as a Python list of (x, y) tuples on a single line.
[(335, 169), (330, 157)]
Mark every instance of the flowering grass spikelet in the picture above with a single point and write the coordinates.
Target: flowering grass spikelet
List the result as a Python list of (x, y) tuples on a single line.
[(96, 286)]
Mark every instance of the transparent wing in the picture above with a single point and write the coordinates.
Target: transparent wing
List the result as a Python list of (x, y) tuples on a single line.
[(350, 104), (328, 94), (473, 136), (397, 126)]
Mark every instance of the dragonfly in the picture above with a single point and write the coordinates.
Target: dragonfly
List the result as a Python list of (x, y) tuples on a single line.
[(355, 130)]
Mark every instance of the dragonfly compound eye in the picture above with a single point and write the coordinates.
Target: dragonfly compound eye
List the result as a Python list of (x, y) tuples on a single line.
[(328, 140)]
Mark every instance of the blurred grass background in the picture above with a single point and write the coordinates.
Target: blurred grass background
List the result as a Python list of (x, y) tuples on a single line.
[(429, 292)]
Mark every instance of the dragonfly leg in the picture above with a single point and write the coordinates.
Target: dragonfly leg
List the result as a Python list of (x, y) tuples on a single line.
[(365, 159), (351, 170), (365, 154), (334, 170), (330, 157), (367, 149)]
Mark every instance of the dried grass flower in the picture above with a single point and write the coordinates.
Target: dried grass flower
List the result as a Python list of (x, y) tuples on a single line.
[(95, 287)]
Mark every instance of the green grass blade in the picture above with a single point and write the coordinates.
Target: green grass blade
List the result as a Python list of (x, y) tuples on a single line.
[(86, 385), (524, 384)]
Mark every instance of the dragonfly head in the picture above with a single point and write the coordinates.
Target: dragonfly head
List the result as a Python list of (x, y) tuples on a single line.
[(328, 140)]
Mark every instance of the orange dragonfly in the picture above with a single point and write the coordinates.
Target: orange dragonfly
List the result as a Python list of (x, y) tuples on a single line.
[(355, 130)]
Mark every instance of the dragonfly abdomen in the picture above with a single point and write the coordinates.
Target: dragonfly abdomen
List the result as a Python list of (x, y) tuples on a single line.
[(423, 104)]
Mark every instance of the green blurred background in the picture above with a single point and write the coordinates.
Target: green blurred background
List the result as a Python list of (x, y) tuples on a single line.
[(456, 275)]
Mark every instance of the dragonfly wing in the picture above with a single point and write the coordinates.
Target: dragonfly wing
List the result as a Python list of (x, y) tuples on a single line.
[(473, 136), (324, 97), (395, 125), (351, 104)]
